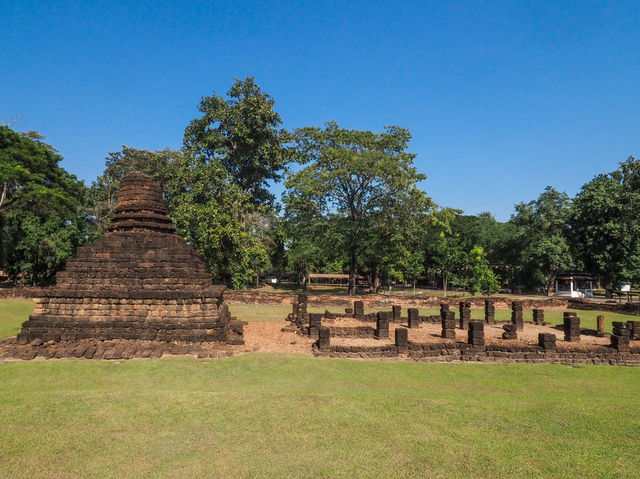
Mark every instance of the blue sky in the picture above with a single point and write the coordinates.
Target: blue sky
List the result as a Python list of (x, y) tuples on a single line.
[(502, 98)]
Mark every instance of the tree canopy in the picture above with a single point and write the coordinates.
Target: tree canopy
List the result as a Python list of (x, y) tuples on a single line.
[(358, 188), (42, 214), (352, 203), (243, 133), (606, 225), (542, 237)]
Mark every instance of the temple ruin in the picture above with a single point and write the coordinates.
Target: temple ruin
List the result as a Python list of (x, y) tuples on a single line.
[(140, 280)]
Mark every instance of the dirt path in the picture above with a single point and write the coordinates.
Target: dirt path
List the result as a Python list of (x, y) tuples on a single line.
[(267, 336)]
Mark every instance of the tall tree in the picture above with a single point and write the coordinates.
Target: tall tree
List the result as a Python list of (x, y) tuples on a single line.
[(606, 225), (543, 237), (483, 230), (243, 133), (305, 230), (216, 217), (361, 184), (445, 256), (481, 279), (41, 207)]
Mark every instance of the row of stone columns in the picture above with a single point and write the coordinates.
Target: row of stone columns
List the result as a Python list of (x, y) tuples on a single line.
[(622, 333)]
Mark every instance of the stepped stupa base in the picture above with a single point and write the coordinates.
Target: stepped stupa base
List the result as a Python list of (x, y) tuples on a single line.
[(139, 281)]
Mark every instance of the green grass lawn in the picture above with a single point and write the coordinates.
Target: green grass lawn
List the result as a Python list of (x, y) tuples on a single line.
[(13, 312), (296, 417)]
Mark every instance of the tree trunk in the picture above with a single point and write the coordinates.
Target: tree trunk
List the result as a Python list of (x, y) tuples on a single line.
[(370, 284), (352, 273), (549, 284), (376, 282), (257, 279), (444, 284), (4, 193)]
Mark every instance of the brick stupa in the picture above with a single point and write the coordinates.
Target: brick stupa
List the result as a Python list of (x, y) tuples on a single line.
[(140, 280)]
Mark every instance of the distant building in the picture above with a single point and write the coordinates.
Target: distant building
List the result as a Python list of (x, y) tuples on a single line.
[(574, 285)]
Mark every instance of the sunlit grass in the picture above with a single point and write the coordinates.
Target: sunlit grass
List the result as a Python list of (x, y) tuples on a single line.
[(13, 312), (288, 416)]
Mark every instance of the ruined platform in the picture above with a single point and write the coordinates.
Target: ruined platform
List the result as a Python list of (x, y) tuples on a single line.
[(139, 281)]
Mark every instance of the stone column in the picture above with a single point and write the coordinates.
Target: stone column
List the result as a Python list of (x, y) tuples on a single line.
[(547, 341), (358, 309), (444, 313), (324, 340), (396, 313), (538, 316), (465, 314), (475, 335), (600, 326), (402, 340), (448, 325), (634, 329), (315, 322), (571, 327), (489, 311), (414, 319), (516, 315), (620, 336), (382, 325), (510, 331)]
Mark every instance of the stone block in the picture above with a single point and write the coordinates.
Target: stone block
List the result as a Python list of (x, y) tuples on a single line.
[(547, 341), (571, 327), (401, 336), (621, 343), (538, 316), (510, 331), (382, 325)]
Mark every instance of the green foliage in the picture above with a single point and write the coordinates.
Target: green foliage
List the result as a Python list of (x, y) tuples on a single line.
[(207, 208), (445, 256), (606, 225), (542, 237), (215, 186), (212, 213), (243, 134), (356, 195), (480, 277), (305, 230), (483, 230), (42, 217)]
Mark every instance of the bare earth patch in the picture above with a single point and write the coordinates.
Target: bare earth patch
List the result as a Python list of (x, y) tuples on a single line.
[(430, 333), (267, 336)]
